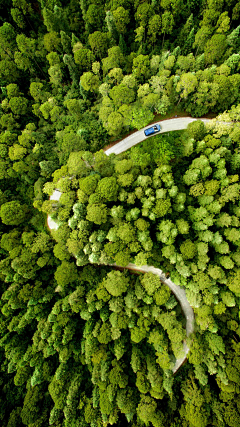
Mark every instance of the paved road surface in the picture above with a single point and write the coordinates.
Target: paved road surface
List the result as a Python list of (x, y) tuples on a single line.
[(136, 137), (167, 126), (181, 297), (51, 223)]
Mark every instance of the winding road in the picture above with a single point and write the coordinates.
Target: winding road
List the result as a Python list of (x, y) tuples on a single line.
[(136, 137), (123, 145), (181, 297)]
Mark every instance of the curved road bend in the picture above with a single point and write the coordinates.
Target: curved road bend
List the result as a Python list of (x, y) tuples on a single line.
[(136, 137), (128, 142), (181, 297)]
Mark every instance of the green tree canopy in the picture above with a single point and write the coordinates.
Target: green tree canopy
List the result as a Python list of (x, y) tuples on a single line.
[(116, 283), (13, 213)]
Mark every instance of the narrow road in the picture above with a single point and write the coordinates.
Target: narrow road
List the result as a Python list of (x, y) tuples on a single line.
[(136, 137), (128, 142), (51, 223), (181, 297)]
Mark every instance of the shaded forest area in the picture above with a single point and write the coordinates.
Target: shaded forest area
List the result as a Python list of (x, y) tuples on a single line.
[(81, 344)]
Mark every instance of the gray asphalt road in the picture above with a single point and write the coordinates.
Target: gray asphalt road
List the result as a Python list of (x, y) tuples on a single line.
[(51, 223), (166, 126), (181, 297)]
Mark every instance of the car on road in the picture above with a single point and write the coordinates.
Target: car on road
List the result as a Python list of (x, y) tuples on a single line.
[(152, 130)]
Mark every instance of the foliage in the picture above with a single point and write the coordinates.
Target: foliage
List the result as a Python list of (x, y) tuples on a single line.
[(82, 343)]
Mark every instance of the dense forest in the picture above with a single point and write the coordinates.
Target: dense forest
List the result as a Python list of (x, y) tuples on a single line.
[(82, 343)]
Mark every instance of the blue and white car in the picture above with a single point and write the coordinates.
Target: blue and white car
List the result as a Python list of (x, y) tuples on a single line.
[(152, 130)]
